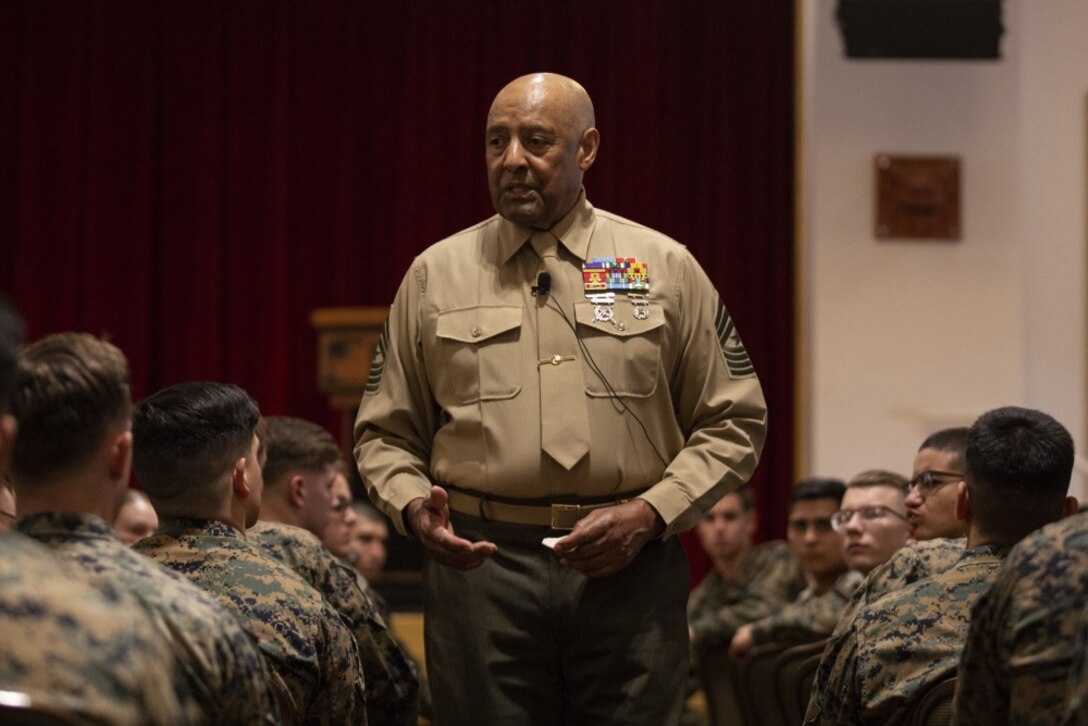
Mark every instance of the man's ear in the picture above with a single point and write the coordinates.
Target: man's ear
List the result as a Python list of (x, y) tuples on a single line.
[(587, 148), (1072, 506), (8, 427), (120, 457), (296, 491), (239, 480), (963, 502), (753, 522)]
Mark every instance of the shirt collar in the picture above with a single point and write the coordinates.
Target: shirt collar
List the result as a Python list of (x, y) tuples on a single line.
[(65, 524), (198, 527), (573, 231)]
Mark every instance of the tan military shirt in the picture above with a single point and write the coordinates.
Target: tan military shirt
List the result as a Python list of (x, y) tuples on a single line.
[(454, 391), (78, 646)]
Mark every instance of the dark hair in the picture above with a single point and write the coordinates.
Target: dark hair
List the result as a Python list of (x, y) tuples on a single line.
[(11, 334), (817, 488), (1019, 463), (953, 440), (746, 500), (185, 438), (292, 444), (878, 478), (70, 390)]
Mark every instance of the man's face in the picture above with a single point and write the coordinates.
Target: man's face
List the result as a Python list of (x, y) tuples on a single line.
[(317, 498), (871, 542), (815, 545), (535, 154), (726, 529), (368, 540), (254, 462), (932, 513), (136, 520), (338, 534)]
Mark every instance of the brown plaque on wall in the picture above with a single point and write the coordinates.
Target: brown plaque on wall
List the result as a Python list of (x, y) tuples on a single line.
[(917, 197)]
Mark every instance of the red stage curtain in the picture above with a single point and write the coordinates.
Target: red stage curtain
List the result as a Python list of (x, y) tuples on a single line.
[(194, 178)]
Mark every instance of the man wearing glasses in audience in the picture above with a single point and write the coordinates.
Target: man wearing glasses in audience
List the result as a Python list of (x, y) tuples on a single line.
[(818, 549), (931, 498), (872, 520)]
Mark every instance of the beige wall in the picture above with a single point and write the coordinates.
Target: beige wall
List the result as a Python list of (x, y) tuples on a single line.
[(905, 337)]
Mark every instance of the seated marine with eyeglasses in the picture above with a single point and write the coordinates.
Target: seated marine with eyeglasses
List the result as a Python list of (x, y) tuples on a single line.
[(1018, 465), (818, 549), (931, 492), (872, 520)]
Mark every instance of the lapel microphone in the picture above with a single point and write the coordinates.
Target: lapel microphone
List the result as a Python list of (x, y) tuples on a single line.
[(543, 284)]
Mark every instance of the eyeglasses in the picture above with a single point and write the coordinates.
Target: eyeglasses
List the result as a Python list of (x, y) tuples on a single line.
[(927, 482), (867, 514)]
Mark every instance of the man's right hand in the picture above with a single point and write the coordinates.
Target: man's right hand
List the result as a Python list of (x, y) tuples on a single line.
[(429, 518)]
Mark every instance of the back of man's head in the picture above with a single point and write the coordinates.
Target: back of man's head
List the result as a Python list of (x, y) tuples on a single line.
[(11, 334), (186, 438), (71, 392), (1019, 462), (953, 440), (293, 445), (814, 488)]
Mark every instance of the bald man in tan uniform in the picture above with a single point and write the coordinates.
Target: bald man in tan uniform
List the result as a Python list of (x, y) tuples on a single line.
[(555, 371)]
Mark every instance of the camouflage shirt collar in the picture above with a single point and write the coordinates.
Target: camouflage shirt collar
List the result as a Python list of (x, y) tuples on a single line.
[(983, 552), (78, 525), (199, 528)]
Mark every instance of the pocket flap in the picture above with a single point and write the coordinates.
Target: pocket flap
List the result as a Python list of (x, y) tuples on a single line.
[(478, 323), (624, 323)]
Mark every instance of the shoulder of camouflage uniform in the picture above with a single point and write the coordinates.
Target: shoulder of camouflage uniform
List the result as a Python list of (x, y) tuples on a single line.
[(79, 645)]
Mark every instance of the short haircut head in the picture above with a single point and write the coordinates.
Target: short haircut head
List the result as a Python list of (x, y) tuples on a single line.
[(953, 441), (367, 511), (11, 334), (814, 488), (878, 478), (185, 440), (1019, 463), (746, 499), (292, 445), (71, 391)]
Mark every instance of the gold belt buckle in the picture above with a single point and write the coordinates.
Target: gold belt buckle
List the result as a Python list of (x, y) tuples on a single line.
[(565, 516)]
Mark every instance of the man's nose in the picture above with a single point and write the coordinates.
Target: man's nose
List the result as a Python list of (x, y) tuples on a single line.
[(514, 158)]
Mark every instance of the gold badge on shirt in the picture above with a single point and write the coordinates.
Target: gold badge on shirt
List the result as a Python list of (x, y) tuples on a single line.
[(603, 277)]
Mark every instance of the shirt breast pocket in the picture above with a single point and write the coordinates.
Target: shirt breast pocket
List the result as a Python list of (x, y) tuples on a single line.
[(627, 351), (481, 351)]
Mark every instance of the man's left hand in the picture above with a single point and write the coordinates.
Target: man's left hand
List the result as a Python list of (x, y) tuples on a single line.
[(606, 540)]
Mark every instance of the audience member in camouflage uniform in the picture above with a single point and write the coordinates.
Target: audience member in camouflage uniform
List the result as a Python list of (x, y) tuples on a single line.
[(85, 650), (300, 469), (747, 582), (72, 471), (911, 563), (905, 642), (817, 547), (1020, 650), (337, 534), (1076, 711), (931, 498), (79, 650), (196, 455)]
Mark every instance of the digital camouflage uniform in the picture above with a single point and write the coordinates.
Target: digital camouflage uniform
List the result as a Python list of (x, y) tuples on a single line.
[(905, 642), (80, 647), (392, 687), (811, 616), (909, 564), (1076, 712), (769, 580), (302, 637), (226, 674), (1017, 658)]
